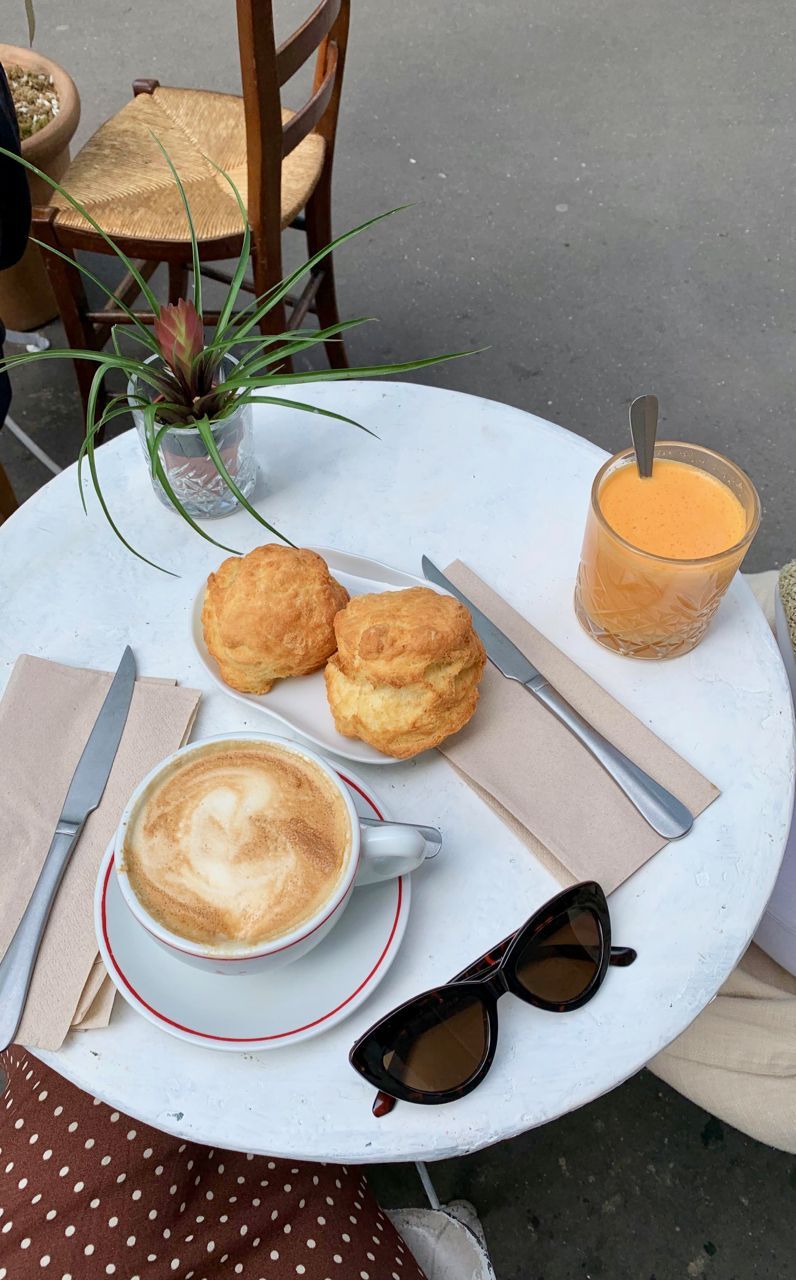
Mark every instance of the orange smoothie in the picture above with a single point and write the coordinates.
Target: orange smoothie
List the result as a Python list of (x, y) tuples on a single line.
[(678, 512), (659, 553)]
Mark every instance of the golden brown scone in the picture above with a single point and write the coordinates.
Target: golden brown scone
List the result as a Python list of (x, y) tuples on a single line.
[(406, 672), (270, 614)]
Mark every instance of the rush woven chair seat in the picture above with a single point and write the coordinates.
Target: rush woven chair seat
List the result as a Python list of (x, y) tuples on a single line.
[(122, 181), (279, 159)]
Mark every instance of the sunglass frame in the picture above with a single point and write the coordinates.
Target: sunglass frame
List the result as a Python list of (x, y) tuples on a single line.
[(487, 979)]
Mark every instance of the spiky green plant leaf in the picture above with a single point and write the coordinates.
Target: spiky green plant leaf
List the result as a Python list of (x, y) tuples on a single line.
[(191, 383), (197, 275)]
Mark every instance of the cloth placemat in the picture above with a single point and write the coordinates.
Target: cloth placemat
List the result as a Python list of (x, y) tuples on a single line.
[(46, 716), (541, 781)]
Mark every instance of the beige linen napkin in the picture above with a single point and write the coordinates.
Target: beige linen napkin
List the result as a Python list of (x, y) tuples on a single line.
[(537, 776), (96, 1000), (46, 715)]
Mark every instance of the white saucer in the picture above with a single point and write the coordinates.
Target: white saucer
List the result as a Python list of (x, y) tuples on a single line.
[(301, 701), (258, 1011)]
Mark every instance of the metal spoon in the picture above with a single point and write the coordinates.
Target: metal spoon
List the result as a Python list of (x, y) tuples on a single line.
[(643, 429)]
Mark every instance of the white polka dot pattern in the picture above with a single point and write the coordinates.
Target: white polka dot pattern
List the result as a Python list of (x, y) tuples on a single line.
[(112, 1198)]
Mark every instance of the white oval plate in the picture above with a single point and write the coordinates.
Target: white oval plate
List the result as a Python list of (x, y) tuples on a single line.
[(300, 702), (247, 1012)]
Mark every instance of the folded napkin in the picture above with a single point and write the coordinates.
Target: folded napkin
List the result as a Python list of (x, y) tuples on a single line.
[(537, 776), (46, 715)]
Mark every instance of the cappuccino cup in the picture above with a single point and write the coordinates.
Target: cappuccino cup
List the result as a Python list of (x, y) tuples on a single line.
[(240, 852)]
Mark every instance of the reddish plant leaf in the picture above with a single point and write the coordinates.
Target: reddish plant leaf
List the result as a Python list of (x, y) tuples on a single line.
[(179, 333)]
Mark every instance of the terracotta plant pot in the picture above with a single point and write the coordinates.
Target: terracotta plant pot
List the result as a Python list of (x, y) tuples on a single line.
[(26, 299)]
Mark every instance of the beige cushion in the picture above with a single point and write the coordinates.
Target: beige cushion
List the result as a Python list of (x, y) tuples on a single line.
[(738, 1058), (122, 179)]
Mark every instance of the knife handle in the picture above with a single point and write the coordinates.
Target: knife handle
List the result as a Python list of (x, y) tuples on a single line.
[(663, 811), (16, 967)]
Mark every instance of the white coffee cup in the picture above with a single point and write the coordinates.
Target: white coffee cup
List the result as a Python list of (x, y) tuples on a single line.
[(377, 851)]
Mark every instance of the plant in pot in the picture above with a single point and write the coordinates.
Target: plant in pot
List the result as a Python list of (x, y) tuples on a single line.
[(48, 110), (190, 395)]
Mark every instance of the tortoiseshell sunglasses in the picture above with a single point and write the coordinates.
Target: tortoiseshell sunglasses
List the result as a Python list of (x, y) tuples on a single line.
[(438, 1046)]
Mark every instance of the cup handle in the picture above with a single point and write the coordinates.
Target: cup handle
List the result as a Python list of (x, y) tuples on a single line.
[(390, 849)]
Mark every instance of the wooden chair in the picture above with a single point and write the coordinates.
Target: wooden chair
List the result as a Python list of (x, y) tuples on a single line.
[(8, 500), (280, 160)]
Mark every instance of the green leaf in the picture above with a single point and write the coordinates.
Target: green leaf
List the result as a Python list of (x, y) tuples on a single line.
[(92, 466), (155, 369), (118, 406), (31, 16), (92, 427), (245, 253), (368, 371), (180, 509), (151, 437), (65, 353), (275, 295), (206, 433), (138, 368), (56, 186), (80, 458), (153, 445), (197, 275), (259, 339), (133, 335), (258, 360), (252, 398), (137, 324)]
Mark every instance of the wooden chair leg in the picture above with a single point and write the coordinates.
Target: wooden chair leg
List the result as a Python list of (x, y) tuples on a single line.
[(178, 281), (145, 84), (8, 499), (67, 284), (318, 216), (275, 320)]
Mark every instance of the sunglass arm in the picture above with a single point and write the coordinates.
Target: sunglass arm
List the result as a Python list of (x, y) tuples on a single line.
[(383, 1104)]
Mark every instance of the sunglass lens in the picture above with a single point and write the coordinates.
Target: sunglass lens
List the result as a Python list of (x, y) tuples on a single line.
[(440, 1042), (559, 964)]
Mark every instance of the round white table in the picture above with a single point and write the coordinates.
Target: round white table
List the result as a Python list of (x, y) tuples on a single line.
[(453, 476)]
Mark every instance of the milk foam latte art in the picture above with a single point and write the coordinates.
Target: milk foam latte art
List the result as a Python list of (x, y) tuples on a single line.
[(237, 844)]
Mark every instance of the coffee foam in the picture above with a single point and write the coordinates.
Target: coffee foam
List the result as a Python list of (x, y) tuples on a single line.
[(237, 844)]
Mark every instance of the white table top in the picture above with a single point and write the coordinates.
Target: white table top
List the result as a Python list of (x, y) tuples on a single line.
[(453, 476)]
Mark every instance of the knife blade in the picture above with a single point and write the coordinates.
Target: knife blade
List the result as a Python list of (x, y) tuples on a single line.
[(94, 766), (663, 811), (82, 797), (509, 660)]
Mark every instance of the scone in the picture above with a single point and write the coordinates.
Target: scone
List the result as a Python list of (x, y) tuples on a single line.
[(406, 672), (270, 614)]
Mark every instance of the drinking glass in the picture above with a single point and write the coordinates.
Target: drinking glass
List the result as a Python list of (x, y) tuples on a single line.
[(650, 606)]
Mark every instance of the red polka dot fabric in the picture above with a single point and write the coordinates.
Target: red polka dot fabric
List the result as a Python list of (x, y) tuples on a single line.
[(87, 1193)]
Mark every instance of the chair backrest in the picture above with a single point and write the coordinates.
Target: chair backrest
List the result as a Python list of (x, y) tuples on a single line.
[(264, 70)]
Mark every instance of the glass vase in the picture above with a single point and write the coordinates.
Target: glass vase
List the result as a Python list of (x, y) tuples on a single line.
[(188, 467)]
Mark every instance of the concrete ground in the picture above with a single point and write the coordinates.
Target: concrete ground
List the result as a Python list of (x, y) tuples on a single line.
[(602, 193)]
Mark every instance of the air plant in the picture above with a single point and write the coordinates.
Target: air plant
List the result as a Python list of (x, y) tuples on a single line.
[(184, 381)]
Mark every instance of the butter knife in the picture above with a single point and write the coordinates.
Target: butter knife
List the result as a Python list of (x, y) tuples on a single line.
[(663, 811), (84, 794)]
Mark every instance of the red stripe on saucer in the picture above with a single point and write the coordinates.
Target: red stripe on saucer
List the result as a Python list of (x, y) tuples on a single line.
[(204, 1035)]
